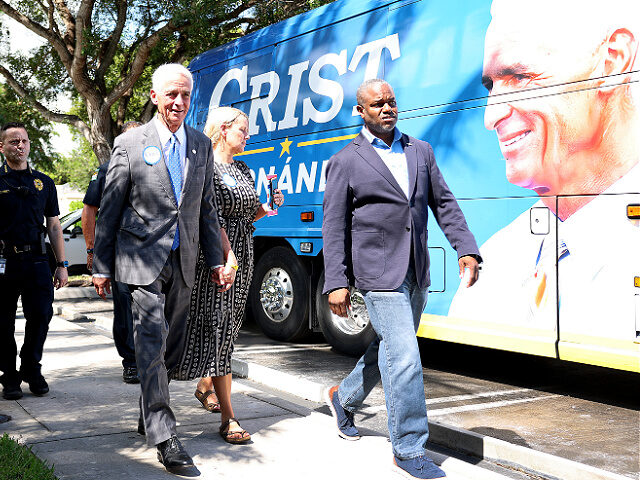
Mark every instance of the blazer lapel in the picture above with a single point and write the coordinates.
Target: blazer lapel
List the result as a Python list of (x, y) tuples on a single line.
[(151, 139), (192, 158), (367, 152), (412, 163)]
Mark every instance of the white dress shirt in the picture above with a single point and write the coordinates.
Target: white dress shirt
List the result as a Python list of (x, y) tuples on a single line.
[(393, 157)]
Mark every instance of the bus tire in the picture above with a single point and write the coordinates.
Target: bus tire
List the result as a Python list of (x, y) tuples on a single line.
[(350, 336), (279, 295)]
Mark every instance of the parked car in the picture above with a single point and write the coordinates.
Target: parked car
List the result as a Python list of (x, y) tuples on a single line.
[(74, 246)]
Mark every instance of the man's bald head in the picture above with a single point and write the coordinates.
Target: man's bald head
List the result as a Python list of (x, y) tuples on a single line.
[(569, 29)]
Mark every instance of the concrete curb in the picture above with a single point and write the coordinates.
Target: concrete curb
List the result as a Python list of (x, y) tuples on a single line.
[(517, 456), (458, 439), (76, 292)]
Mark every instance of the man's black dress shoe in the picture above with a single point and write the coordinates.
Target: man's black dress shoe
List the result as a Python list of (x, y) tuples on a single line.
[(4, 418), (130, 375), (173, 456)]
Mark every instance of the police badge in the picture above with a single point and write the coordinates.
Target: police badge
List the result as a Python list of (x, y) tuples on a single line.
[(38, 183)]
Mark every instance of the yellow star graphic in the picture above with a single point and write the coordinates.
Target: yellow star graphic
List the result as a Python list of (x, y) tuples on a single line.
[(285, 147)]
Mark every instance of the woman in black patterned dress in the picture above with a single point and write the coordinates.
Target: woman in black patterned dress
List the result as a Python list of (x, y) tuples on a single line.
[(216, 313)]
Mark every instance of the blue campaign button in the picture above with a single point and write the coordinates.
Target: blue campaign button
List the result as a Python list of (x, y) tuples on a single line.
[(229, 180), (151, 155)]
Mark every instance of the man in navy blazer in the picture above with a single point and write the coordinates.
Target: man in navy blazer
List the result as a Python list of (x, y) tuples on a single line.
[(379, 189)]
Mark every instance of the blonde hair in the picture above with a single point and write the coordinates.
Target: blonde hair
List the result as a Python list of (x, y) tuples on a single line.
[(219, 116)]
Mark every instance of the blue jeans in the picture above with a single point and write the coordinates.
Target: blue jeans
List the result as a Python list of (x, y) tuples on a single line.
[(394, 357)]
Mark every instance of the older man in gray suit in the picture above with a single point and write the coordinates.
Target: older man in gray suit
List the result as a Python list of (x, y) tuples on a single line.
[(157, 204), (379, 189)]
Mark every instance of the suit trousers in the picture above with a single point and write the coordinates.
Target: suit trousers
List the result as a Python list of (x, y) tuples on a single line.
[(123, 324), (394, 357), (159, 325)]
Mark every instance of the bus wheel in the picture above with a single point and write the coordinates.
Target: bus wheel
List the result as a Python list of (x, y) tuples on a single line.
[(351, 335), (279, 295)]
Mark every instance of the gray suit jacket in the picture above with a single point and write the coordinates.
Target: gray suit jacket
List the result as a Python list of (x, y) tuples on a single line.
[(138, 211), (370, 227)]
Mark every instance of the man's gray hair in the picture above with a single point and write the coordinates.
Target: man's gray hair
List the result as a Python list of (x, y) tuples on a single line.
[(364, 86), (167, 72)]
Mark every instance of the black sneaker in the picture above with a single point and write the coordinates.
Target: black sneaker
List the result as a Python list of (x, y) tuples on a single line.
[(11, 391), (11, 384), (38, 385), (130, 375)]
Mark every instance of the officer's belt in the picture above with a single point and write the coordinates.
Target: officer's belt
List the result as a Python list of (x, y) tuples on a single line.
[(9, 249)]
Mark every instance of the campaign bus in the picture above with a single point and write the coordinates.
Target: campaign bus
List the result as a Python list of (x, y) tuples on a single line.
[(533, 112)]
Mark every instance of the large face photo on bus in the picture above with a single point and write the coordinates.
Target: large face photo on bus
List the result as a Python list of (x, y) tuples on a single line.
[(564, 104), (533, 112)]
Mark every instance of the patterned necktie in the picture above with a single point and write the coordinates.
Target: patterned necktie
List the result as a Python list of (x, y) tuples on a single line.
[(544, 279), (175, 173)]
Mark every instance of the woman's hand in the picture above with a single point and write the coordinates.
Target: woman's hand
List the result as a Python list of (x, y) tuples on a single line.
[(278, 198), (228, 276)]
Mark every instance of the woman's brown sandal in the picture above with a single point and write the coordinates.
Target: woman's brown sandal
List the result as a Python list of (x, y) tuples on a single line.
[(236, 437), (203, 396)]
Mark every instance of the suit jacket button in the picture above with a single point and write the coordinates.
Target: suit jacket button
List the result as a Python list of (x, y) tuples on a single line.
[(408, 229)]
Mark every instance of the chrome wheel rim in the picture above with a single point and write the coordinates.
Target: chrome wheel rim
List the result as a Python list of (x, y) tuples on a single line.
[(357, 318), (276, 294)]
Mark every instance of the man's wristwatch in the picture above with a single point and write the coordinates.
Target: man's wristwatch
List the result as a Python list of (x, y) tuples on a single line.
[(64, 264), (89, 250)]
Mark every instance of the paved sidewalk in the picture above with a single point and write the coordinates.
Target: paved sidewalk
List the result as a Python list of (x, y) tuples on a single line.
[(86, 425)]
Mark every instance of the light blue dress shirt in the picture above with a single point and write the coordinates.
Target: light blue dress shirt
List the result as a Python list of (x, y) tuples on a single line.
[(165, 140), (393, 157)]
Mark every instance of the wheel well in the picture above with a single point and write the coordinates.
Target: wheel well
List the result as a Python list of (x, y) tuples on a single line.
[(261, 245), (313, 266)]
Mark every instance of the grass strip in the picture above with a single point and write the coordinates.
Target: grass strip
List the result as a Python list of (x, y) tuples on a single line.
[(18, 462)]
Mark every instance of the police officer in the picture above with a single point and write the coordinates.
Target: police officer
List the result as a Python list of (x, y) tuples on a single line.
[(27, 199), (122, 316)]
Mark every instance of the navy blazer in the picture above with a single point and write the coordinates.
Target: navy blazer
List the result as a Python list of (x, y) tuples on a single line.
[(370, 226)]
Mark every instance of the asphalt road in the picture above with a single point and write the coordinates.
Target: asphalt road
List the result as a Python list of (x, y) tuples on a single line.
[(587, 414)]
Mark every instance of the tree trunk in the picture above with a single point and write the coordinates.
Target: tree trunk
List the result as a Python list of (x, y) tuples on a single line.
[(100, 136)]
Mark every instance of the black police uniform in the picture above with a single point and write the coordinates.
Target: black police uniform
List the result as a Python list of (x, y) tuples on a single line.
[(26, 198), (122, 316)]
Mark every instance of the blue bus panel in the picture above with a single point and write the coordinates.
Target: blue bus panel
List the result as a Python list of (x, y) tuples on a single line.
[(532, 123)]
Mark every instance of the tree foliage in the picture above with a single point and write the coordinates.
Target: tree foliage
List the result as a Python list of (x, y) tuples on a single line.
[(104, 51)]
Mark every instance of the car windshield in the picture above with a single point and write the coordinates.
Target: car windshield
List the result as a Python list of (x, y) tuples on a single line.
[(67, 216)]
